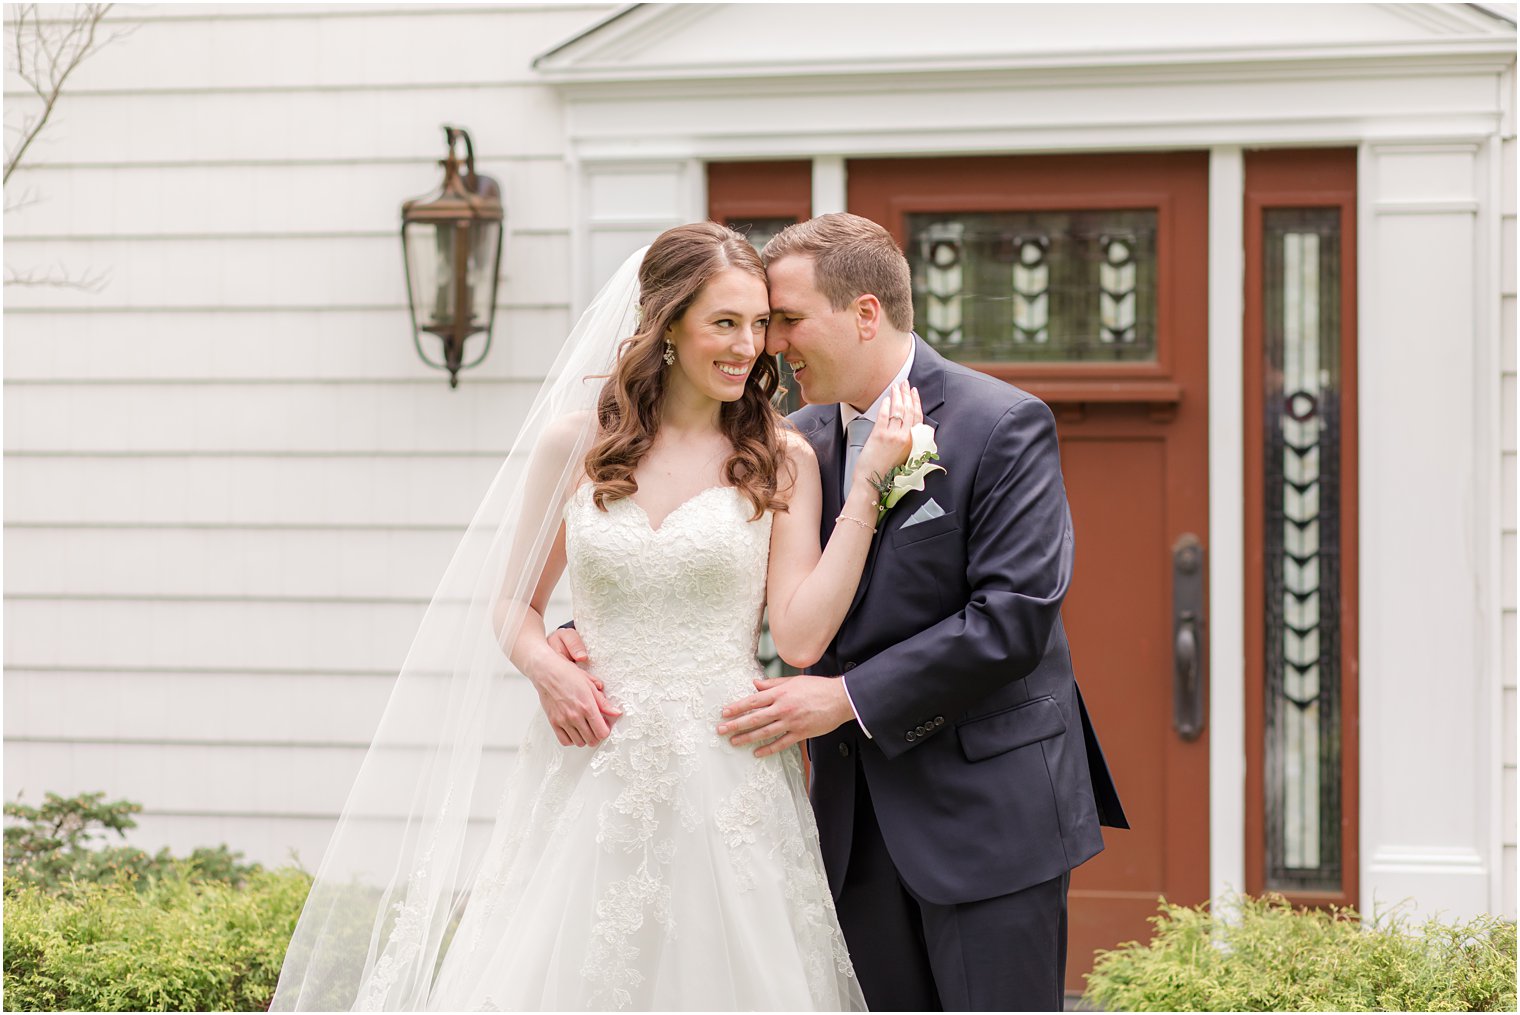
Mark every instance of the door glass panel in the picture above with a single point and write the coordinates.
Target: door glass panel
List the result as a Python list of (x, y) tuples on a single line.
[(1302, 484), (1069, 286), (759, 230)]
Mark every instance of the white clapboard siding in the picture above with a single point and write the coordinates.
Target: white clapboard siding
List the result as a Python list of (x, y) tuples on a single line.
[(261, 633), (309, 564), (228, 745), (211, 632), (338, 711), (231, 487), (248, 199), (398, 491), (347, 127), (339, 563), (267, 779), (243, 346), (272, 779), (289, 839), (309, 50), (265, 272), (311, 418), (275, 840)]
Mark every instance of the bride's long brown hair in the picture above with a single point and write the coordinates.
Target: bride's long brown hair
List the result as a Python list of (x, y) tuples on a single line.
[(679, 263)]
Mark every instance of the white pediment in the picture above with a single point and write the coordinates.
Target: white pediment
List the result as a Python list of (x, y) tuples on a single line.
[(682, 41)]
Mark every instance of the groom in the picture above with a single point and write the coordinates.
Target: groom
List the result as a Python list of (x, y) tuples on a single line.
[(956, 777)]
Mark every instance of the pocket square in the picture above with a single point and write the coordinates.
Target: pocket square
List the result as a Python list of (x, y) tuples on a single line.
[(930, 509)]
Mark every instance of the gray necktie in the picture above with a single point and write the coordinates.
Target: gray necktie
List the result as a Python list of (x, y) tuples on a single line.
[(855, 436)]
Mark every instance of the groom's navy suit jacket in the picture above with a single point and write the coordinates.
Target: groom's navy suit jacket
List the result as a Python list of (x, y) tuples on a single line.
[(983, 769)]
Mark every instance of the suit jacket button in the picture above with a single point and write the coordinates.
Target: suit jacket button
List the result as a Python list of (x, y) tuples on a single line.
[(912, 736), (844, 750), (848, 667), (939, 720), (920, 731)]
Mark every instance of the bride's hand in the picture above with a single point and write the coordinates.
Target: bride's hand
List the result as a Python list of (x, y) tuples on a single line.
[(892, 437), (574, 703)]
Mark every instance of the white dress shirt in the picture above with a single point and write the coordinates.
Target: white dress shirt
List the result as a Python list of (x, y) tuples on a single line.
[(847, 414)]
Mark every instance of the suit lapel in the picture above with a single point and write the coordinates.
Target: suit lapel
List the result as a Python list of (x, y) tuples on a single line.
[(928, 376)]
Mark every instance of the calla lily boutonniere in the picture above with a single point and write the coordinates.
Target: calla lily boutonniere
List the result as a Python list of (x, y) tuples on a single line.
[(910, 475)]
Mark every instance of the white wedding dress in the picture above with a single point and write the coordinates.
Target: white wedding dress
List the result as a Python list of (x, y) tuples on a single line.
[(666, 868)]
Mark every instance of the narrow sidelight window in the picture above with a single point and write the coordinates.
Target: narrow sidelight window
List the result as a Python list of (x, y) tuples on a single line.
[(1302, 473)]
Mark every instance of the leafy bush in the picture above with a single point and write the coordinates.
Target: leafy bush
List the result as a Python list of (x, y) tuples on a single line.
[(50, 846), (167, 943), (119, 929), (1267, 956)]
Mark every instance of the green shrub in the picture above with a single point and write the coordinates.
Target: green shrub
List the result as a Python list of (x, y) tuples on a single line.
[(1267, 956), (51, 846), (166, 943), (113, 928)]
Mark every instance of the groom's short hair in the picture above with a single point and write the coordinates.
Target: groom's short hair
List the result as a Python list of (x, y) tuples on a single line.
[(851, 256)]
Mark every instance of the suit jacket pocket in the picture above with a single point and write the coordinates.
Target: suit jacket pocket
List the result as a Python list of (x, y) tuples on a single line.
[(986, 736), (925, 530)]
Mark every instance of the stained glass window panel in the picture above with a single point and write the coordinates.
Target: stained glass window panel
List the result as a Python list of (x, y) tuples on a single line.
[(1076, 286), (1302, 547)]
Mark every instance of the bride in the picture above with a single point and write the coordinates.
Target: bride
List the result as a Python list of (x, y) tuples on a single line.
[(633, 858)]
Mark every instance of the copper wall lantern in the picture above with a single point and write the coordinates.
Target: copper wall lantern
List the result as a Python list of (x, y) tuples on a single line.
[(451, 242)]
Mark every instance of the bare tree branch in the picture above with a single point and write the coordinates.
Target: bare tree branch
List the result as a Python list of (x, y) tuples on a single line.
[(46, 51), (54, 49), (27, 198), (58, 278)]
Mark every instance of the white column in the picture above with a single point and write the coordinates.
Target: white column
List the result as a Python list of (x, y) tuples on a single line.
[(828, 184), (1227, 759), (1427, 749)]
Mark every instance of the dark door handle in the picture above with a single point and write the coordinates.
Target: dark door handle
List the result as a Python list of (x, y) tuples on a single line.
[(1187, 637)]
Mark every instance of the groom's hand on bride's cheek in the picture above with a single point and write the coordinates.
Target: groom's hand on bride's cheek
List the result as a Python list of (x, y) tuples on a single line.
[(786, 711)]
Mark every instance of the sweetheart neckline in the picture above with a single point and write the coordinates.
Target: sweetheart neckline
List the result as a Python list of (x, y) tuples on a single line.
[(649, 524)]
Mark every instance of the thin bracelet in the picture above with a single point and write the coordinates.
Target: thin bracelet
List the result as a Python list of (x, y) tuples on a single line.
[(854, 521)]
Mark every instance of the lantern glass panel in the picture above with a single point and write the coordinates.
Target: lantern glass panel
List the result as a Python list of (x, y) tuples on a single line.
[(486, 239), (428, 246)]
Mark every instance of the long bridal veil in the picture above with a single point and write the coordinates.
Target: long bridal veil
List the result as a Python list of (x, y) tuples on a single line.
[(403, 858)]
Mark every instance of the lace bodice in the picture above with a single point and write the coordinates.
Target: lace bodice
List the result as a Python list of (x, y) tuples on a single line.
[(667, 612)]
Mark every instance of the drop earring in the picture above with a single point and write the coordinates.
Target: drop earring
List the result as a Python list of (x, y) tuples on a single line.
[(670, 353)]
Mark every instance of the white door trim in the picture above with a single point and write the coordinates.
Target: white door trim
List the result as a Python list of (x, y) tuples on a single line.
[(1226, 539)]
